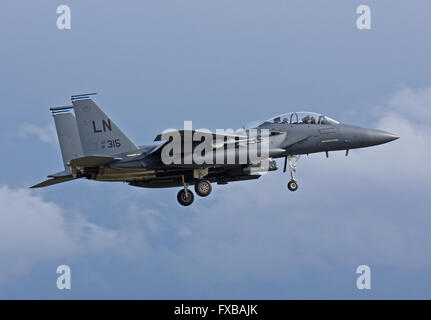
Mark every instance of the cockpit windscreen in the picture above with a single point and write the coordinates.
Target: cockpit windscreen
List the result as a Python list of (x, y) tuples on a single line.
[(302, 117)]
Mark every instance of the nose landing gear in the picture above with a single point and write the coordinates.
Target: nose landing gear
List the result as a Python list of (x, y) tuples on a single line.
[(291, 160), (292, 185)]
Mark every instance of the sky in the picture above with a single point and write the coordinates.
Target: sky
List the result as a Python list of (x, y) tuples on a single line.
[(221, 64)]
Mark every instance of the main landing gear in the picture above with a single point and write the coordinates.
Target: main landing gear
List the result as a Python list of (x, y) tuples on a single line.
[(185, 197), (291, 161), (202, 188)]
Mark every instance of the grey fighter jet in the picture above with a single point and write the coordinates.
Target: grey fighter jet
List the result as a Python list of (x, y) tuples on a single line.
[(94, 147)]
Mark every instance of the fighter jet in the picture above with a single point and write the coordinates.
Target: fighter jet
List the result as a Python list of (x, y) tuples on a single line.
[(93, 147)]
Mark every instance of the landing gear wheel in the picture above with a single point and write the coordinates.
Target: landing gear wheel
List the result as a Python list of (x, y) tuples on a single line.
[(291, 160), (292, 185), (184, 198), (203, 188)]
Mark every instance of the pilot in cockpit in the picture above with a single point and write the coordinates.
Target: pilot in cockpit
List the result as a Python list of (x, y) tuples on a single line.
[(309, 119)]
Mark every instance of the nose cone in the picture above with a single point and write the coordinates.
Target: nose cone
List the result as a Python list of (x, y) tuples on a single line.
[(357, 137), (376, 137)]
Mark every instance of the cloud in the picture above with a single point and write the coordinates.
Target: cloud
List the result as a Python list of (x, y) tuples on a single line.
[(407, 114), (412, 104), (368, 208), (45, 134), (33, 231)]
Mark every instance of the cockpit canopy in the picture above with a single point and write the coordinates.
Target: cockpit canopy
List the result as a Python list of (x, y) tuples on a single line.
[(302, 117)]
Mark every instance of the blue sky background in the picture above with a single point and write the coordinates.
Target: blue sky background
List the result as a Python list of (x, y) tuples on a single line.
[(221, 64)]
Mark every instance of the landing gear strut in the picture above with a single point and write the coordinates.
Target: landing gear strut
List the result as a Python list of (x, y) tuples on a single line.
[(291, 160), (185, 197)]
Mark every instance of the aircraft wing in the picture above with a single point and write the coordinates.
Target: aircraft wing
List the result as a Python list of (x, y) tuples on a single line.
[(218, 138)]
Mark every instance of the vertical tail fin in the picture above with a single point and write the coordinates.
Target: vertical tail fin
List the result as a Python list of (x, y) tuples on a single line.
[(68, 136), (99, 134)]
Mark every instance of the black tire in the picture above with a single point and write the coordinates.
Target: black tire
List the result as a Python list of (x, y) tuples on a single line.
[(185, 200), (292, 185), (203, 188)]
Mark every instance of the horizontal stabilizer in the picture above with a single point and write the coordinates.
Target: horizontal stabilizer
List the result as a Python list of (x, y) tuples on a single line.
[(61, 174), (93, 161), (51, 182)]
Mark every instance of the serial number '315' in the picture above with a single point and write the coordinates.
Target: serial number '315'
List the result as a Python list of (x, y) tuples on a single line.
[(110, 144)]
